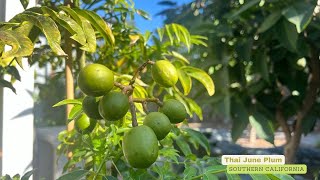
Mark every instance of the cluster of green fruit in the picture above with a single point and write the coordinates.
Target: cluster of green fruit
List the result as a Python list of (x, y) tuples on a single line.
[(140, 144)]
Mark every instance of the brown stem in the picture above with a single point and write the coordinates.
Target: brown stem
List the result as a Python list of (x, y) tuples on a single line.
[(128, 90), (139, 70), (133, 112), (119, 85), (143, 100), (145, 107), (311, 94), (283, 123)]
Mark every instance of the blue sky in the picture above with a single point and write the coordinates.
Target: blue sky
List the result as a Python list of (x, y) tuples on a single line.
[(152, 8)]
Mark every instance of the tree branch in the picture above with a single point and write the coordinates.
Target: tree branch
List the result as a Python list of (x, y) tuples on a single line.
[(139, 70), (133, 112), (310, 98), (283, 123), (143, 100)]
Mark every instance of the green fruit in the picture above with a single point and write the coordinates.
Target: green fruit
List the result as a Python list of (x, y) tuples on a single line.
[(113, 106), (95, 80), (84, 124), (159, 123), (140, 146), (174, 110), (164, 73), (90, 106)]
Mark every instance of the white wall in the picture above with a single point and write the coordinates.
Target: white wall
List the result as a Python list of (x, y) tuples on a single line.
[(17, 132)]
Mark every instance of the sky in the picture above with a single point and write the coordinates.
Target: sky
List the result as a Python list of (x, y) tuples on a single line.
[(152, 8)]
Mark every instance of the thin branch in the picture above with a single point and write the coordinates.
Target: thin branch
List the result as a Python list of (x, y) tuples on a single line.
[(133, 112), (145, 107), (139, 70), (283, 123), (119, 85), (143, 100)]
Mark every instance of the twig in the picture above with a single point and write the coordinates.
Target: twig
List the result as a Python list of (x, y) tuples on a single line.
[(139, 70), (133, 112), (117, 169), (145, 107), (283, 123), (119, 85), (100, 167), (143, 100)]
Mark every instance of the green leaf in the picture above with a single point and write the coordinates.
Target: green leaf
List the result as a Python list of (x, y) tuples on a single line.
[(260, 65), (185, 81), (74, 175), (215, 169), (16, 177), (160, 33), (259, 177), (109, 178), (271, 20), (4, 83), (86, 27), (90, 36), (68, 23), (263, 126), (233, 176), (280, 177), (199, 138), (183, 146), (24, 3), (198, 40), (240, 118), (169, 33), (209, 176), (103, 28), (144, 14), (243, 8), (308, 124), (169, 153), (287, 35), (180, 57), (68, 101), (28, 174), (14, 72), (201, 76), (75, 112), (6, 177), (47, 26), (194, 107), (189, 172), (300, 14), (184, 35)]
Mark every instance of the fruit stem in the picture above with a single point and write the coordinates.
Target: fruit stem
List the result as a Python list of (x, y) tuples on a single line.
[(139, 70), (144, 100), (133, 112)]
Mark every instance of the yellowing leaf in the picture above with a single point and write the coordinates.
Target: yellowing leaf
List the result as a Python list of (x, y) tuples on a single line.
[(201, 76), (133, 38)]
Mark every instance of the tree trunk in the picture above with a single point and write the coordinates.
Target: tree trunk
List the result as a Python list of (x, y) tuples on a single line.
[(68, 72), (310, 98)]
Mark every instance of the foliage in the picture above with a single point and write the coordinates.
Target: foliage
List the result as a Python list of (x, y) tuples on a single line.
[(112, 41), (25, 176), (263, 56)]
